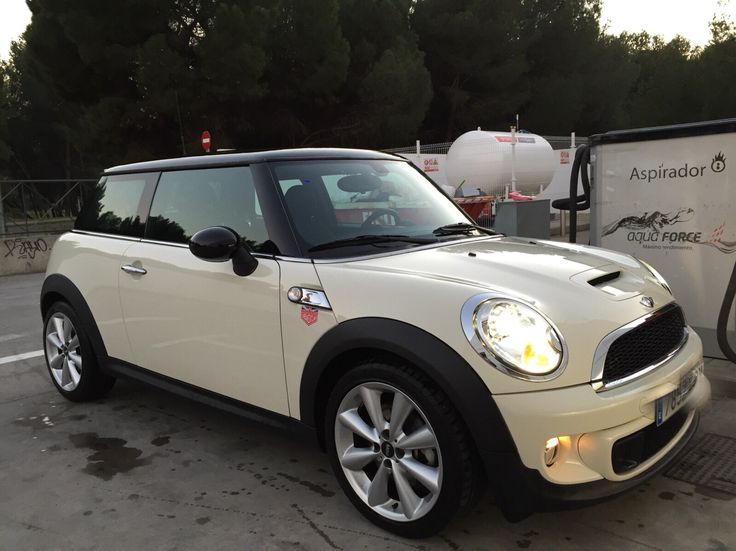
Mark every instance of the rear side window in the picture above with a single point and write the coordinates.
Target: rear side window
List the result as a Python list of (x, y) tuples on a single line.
[(113, 206), (187, 201)]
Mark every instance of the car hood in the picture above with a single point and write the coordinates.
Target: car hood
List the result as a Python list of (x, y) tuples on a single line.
[(586, 291), (520, 266)]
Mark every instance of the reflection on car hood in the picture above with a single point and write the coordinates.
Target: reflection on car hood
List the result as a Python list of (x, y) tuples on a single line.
[(511, 263)]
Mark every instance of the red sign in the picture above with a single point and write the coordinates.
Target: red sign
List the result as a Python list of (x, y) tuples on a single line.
[(431, 165), (206, 141), (309, 315), (519, 139)]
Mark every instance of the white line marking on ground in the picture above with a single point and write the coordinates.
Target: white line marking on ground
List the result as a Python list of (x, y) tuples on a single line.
[(10, 337), (19, 357)]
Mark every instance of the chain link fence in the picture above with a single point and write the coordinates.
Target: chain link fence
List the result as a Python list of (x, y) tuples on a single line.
[(425, 149), (40, 206)]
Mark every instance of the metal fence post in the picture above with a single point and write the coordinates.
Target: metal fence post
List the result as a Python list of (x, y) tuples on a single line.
[(23, 204), (2, 212)]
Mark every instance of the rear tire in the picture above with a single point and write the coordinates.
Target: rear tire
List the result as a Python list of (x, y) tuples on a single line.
[(411, 474), (70, 359)]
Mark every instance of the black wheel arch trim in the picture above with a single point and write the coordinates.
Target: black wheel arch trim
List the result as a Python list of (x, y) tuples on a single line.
[(435, 358), (57, 285)]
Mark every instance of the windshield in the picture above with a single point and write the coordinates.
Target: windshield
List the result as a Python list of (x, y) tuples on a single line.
[(338, 207)]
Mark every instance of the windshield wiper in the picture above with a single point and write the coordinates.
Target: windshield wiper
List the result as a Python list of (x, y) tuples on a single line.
[(370, 240), (463, 227)]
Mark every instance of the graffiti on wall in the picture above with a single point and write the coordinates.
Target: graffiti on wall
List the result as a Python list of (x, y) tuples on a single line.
[(24, 248)]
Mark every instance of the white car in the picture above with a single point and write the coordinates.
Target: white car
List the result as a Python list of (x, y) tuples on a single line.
[(343, 290)]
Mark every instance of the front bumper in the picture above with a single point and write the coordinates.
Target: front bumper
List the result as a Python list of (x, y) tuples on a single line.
[(589, 423)]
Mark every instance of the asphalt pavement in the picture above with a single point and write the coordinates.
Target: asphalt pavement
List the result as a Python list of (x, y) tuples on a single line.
[(143, 469)]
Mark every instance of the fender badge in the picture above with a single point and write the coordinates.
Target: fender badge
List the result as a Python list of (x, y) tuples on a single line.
[(309, 315), (310, 297), (647, 302)]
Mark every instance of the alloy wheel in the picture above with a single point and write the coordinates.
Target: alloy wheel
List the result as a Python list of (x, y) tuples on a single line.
[(62, 351), (388, 451)]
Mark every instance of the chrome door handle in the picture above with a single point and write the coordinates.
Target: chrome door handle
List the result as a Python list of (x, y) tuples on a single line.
[(130, 269)]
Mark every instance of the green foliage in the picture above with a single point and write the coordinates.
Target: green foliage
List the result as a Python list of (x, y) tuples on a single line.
[(94, 83), (663, 93), (6, 110), (232, 54), (394, 96), (388, 89), (713, 79), (308, 67), (309, 53), (562, 44), (476, 58), (722, 30)]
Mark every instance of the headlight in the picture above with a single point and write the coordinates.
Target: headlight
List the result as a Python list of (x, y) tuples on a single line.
[(514, 336), (656, 275)]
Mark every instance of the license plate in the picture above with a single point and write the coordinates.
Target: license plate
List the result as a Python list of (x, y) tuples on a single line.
[(667, 405)]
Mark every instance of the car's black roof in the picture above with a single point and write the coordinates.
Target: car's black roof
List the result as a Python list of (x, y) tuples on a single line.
[(233, 159)]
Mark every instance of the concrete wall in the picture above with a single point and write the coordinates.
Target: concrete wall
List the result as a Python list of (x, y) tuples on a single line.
[(25, 254)]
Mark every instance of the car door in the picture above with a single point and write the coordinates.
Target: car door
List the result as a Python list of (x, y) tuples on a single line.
[(196, 321), (112, 217)]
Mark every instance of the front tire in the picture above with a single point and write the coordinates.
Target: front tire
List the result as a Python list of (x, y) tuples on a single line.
[(70, 359), (399, 449)]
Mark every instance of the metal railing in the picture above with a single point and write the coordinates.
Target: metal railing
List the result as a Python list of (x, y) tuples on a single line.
[(40, 206), (441, 148), (425, 149)]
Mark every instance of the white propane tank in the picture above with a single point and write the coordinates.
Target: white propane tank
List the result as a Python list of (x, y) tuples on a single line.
[(482, 160)]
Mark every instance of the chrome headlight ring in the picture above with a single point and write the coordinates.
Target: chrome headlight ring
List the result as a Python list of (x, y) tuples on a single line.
[(473, 327)]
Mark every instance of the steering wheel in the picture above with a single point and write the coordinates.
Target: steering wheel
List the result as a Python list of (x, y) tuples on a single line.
[(376, 214)]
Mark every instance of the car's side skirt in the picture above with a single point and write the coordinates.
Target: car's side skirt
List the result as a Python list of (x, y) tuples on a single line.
[(126, 370)]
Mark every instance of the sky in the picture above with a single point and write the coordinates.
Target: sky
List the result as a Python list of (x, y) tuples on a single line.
[(663, 17), (666, 18), (14, 16)]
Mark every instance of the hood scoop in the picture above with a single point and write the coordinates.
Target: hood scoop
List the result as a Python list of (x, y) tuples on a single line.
[(617, 283), (605, 278)]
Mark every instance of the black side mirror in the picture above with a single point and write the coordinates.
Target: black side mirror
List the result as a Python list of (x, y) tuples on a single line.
[(220, 244)]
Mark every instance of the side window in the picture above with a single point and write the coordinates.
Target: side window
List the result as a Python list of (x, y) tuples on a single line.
[(113, 206), (187, 201)]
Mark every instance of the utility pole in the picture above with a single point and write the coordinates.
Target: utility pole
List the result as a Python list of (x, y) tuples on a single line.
[(181, 128)]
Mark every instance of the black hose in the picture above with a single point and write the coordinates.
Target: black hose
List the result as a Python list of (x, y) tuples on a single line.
[(576, 202), (722, 325)]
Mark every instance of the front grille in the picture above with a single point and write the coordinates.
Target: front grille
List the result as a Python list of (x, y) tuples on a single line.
[(633, 450), (645, 345)]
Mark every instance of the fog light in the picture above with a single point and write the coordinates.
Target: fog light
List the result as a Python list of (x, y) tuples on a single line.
[(550, 450)]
